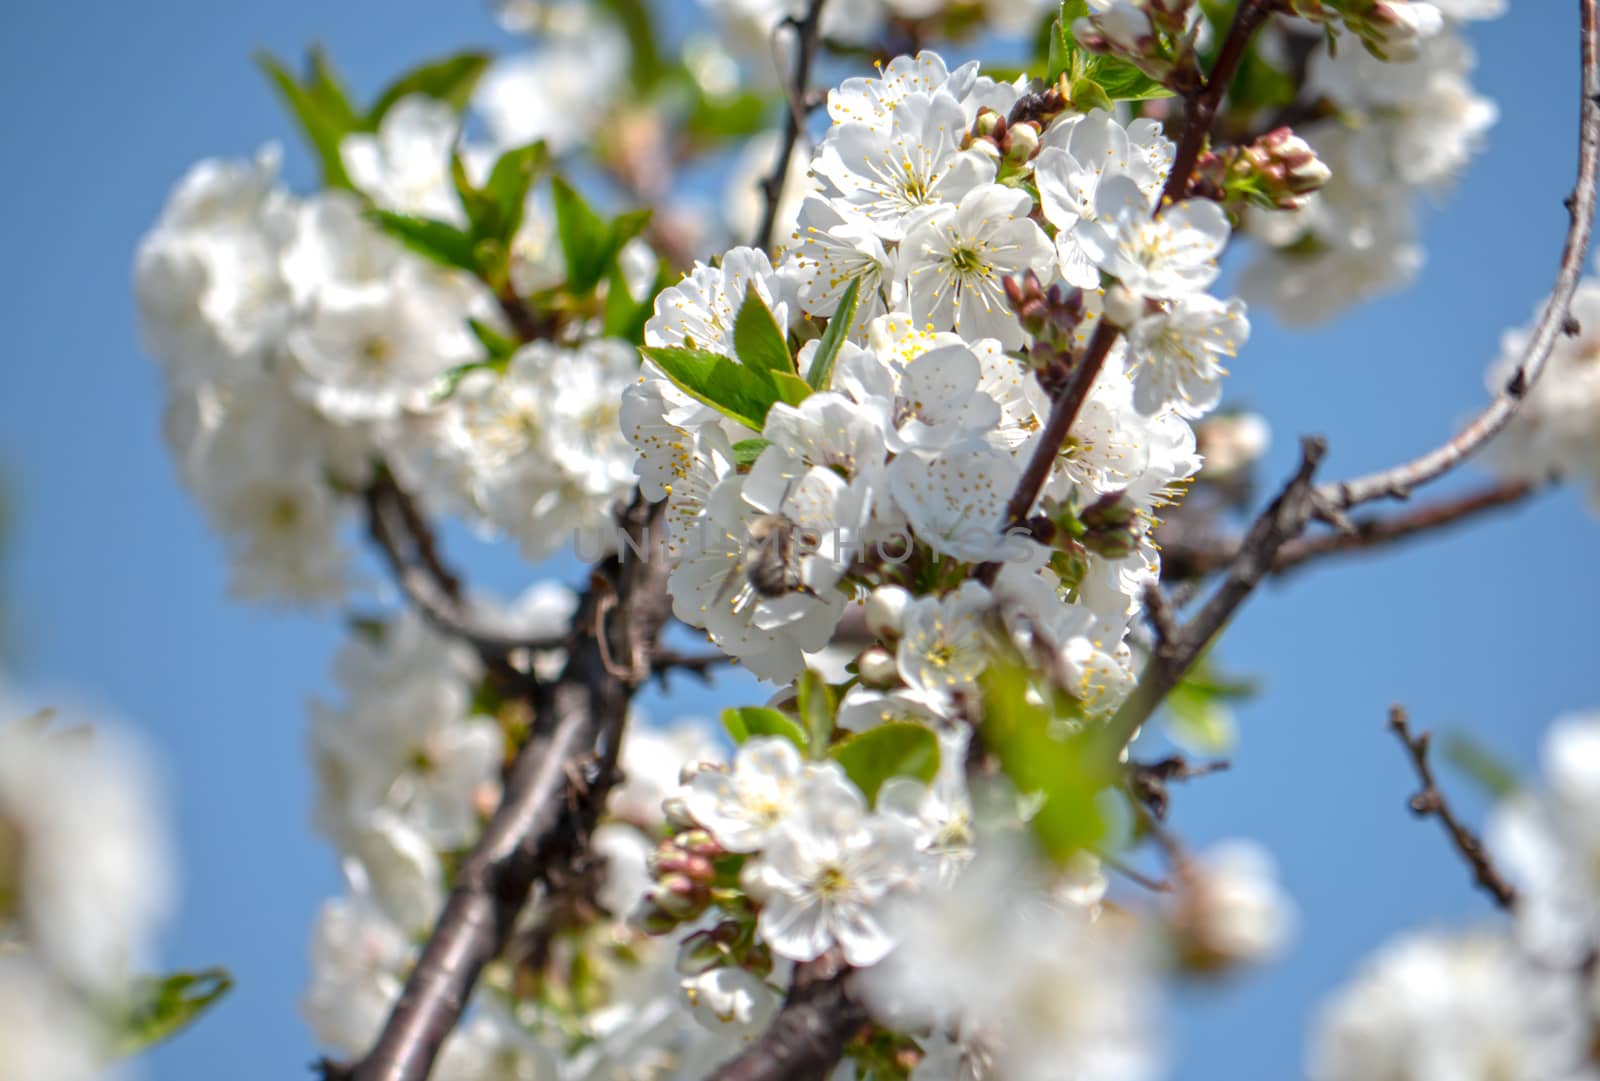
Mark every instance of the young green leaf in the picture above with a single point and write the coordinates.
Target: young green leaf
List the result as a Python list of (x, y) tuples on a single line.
[(437, 240), (817, 706), (745, 722), (1046, 755), (1491, 772), (623, 316), (746, 451), (327, 89), (506, 191), (323, 127), (496, 344), (731, 389), (894, 749), (163, 1006), (759, 343), (838, 329), (450, 80), (590, 243), (791, 388)]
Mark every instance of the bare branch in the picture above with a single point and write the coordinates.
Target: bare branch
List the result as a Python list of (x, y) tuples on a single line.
[(1400, 480), (1364, 533), (401, 533), (808, 28), (1282, 521), (809, 1034), (1430, 801), (554, 793)]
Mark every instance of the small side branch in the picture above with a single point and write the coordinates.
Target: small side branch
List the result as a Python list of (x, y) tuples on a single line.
[(1429, 801), (808, 30), (1202, 105), (808, 1037), (1364, 534), (1283, 520)]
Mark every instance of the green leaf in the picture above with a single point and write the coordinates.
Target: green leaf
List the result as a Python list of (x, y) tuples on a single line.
[(1482, 765), (745, 722), (496, 344), (1064, 55), (817, 706), (731, 389), (791, 388), (590, 243), (327, 90), (757, 340), (1047, 753), (506, 191), (450, 80), (716, 117), (1087, 95), (838, 329), (1200, 721), (633, 17), (437, 240), (746, 451), (623, 316), (894, 749), (162, 1006), (322, 125), (1121, 81)]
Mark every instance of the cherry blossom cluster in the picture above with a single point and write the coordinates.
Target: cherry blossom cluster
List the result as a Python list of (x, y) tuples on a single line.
[(301, 345), (1390, 127), (85, 885)]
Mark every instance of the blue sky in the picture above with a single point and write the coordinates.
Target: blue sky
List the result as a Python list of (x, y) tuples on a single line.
[(116, 591)]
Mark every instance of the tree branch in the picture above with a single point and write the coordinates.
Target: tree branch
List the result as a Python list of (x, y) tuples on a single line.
[(808, 29), (406, 541), (1400, 480), (1201, 109), (1286, 517), (554, 793), (1282, 521), (1364, 533), (1430, 801), (809, 1034)]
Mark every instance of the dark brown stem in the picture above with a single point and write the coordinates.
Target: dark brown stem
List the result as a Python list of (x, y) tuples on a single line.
[(1202, 105), (554, 793), (407, 543), (1399, 481), (1430, 801), (1196, 129), (1364, 534), (808, 28), (808, 1036), (1282, 521)]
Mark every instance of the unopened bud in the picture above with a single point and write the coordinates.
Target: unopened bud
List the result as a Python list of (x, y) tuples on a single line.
[(1110, 526), (676, 811), (1021, 144), (886, 607), (877, 668), (988, 125), (1123, 306)]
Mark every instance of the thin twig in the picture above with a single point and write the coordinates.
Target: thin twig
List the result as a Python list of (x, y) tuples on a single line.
[(1430, 801), (1399, 481), (1202, 108), (406, 542), (807, 29), (1365, 533), (1202, 105), (1283, 520)]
